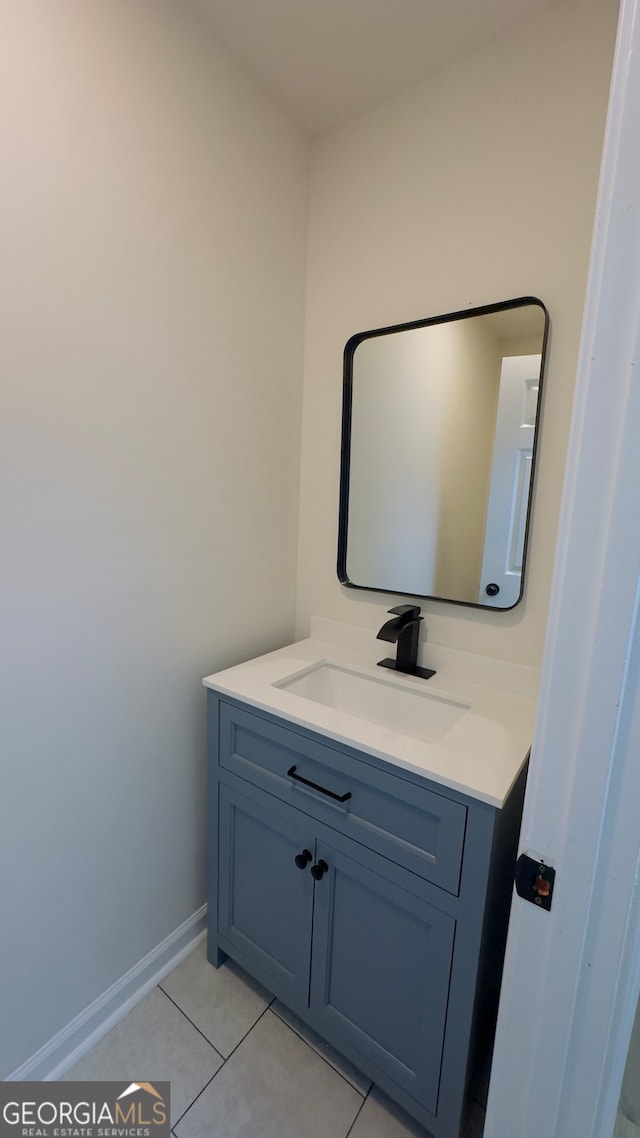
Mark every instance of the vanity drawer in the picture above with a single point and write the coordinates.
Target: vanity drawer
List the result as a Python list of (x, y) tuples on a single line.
[(409, 823)]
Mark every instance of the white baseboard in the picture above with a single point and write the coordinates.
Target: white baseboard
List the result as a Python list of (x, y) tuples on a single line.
[(73, 1041)]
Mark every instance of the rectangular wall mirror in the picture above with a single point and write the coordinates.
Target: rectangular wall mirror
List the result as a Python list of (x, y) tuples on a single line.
[(439, 431)]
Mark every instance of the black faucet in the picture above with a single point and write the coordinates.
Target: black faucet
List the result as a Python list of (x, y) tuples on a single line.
[(404, 630)]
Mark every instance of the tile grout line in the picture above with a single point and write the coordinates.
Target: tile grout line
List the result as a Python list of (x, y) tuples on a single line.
[(283, 1021), (224, 1060), (189, 1020), (323, 1057), (359, 1112)]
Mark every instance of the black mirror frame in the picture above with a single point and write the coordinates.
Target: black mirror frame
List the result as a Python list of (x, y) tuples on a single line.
[(345, 449)]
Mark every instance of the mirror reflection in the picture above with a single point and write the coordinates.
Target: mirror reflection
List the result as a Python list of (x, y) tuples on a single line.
[(439, 438)]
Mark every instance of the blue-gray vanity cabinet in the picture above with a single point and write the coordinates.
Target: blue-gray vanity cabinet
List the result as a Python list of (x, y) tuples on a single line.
[(377, 911), (406, 821), (381, 966), (362, 922), (265, 903)]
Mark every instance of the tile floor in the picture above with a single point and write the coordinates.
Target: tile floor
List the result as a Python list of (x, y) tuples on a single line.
[(242, 1066)]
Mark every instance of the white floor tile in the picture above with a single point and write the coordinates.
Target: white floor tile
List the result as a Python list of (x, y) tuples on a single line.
[(342, 1065), (381, 1118), (273, 1086), (154, 1042), (281, 1081), (223, 1002)]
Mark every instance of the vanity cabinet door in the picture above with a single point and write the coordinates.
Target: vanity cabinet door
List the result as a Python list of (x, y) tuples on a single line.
[(381, 970), (265, 900)]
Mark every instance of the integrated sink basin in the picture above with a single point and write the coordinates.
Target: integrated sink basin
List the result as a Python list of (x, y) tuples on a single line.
[(391, 702)]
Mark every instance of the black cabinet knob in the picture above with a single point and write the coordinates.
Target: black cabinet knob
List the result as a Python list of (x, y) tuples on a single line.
[(492, 590), (319, 869), (302, 859)]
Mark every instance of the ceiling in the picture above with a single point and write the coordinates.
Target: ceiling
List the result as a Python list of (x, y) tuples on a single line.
[(326, 60)]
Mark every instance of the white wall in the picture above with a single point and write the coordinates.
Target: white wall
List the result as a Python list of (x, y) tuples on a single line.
[(152, 230), (475, 187)]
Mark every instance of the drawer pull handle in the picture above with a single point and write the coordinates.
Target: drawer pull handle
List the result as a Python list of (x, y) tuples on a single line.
[(323, 790), (319, 869), (302, 859)]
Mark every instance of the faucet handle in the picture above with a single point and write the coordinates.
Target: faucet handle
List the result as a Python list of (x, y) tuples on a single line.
[(407, 612)]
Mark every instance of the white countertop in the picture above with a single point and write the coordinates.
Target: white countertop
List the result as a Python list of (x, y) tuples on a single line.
[(480, 755)]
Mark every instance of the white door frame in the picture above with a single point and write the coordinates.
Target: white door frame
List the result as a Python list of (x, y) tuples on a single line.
[(572, 975)]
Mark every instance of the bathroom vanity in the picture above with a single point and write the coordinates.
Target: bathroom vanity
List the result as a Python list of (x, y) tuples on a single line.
[(361, 865)]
